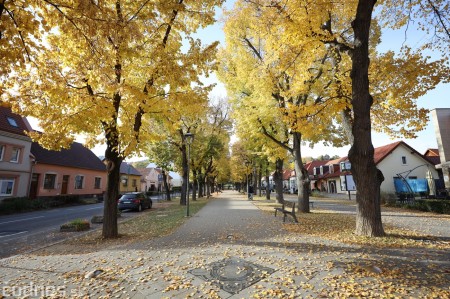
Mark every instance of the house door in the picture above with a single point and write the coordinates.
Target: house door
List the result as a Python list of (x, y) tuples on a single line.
[(332, 186), (34, 185), (65, 183)]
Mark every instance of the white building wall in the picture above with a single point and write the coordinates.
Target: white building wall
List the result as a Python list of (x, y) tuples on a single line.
[(20, 171), (392, 164)]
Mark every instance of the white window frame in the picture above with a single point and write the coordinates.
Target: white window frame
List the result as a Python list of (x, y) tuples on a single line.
[(321, 170), (76, 181), (330, 169), (54, 183), (15, 158), (99, 183), (7, 180), (2, 151)]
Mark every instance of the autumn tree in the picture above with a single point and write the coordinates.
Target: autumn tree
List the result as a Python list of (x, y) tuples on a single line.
[(323, 30), (107, 67), (282, 81), (213, 136), (21, 30), (367, 177)]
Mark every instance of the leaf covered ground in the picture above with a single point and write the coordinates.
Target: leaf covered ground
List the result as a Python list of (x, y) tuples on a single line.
[(159, 221), (341, 227)]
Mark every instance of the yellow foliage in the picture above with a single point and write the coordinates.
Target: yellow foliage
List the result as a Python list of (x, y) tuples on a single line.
[(109, 67)]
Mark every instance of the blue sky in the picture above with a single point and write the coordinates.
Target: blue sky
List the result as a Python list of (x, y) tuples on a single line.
[(391, 40)]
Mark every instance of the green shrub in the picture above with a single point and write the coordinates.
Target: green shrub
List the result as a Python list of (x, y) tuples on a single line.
[(429, 205), (316, 193), (176, 189), (76, 225), (23, 204), (388, 199), (15, 204)]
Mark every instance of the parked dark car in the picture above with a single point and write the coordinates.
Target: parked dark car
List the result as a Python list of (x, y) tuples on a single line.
[(134, 201)]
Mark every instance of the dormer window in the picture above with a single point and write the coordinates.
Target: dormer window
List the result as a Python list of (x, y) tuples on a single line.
[(345, 166), (321, 170), (12, 122), (331, 168), (315, 171)]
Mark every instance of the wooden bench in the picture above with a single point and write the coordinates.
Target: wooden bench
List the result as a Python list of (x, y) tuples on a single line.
[(287, 208)]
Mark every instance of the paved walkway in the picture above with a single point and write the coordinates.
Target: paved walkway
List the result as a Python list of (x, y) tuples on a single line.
[(230, 249)]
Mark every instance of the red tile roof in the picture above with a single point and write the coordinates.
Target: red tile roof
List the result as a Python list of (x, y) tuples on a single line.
[(432, 152), (432, 155), (286, 174), (312, 164), (381, 152), (8, 118)]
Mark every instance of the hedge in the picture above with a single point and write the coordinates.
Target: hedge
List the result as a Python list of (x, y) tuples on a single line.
[(429, 205), (23, 204)]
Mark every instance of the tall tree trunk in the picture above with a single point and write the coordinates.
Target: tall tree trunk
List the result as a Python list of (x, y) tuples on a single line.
[(259, 179), (200, 185), (208, 187), (278, 180), (113, 161), (302, 176), (194, 184), (347, 124), (184, 186), (267, 182), (367, 177), (166, 185)]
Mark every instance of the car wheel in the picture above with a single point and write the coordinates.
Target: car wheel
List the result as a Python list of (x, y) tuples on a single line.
[(140, 208)]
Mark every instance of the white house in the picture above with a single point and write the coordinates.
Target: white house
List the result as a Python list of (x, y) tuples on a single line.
[(396, 161), (176, 180), (16, 160)]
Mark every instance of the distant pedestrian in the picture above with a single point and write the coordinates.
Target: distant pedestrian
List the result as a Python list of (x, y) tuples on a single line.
[(250, 192)]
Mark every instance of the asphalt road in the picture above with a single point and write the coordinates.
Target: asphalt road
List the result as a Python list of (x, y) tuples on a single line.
[(27, 231)]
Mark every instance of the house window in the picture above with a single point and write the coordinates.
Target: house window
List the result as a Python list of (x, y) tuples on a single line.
[(2, 151), (6, 186), (97, 183), (12, 122), (403, 160), (321, 170), (331, 168), (345, 166), (49, 181), (315, 170), (79, 182), (134, 183), (15, 155), (125, 181)]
